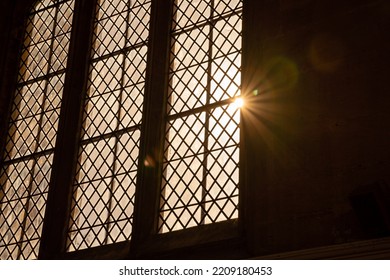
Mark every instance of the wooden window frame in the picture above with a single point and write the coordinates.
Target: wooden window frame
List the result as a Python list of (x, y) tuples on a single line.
[(206, 241)]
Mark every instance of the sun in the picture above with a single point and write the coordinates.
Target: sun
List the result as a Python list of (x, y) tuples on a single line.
[(238, 102)]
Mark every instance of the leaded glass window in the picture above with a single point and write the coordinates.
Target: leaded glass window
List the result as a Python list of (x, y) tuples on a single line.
[(200, 171), (33, 126), (104, 187), (117, 139)]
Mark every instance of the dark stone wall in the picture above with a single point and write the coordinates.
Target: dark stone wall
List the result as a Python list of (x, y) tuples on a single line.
[(322, 122)]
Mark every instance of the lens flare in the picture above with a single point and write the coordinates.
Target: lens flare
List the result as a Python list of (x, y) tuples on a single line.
[(238, 103)]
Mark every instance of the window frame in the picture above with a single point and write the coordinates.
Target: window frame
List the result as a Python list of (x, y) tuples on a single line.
[(207, 241)]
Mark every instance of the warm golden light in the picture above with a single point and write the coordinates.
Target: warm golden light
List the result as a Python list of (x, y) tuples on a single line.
[(238, 102)]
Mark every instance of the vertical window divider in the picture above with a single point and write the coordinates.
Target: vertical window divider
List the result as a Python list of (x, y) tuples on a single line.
[(168, 107), (207, 114), (152, 132)]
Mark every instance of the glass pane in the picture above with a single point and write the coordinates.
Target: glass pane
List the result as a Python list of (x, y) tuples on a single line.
[(23, 140), (224, 127), (40, 28), (190, 12), (188, 89), (227, 36), (106, 75), (226, 77), (135, 66), (101, 114), (60, 52), (182, 194), (96, 160), (64, 18), (221, 200), (227, 6), (139, 18), (190, 48), (43, 4), (131, 106), (185, 137), (109, 8), (110, 34)]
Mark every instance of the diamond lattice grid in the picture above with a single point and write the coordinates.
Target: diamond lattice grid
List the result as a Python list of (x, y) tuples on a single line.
[(200, 178), (104, 193), (24, 192), (188, 13), (120, 24), (32, 129), (188, 82), (200, 170), (104, 188), (221, 201)]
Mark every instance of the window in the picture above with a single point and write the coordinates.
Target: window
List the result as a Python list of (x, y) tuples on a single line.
[(146, 125), (105, 181), (32, 131), (200, 173)]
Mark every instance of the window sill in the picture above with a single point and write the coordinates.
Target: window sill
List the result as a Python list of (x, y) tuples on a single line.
[(374, 249), (203, 242)]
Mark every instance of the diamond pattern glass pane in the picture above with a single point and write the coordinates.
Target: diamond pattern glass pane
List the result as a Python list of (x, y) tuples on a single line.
[(200, 169), (28, 155), (104, 185)]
